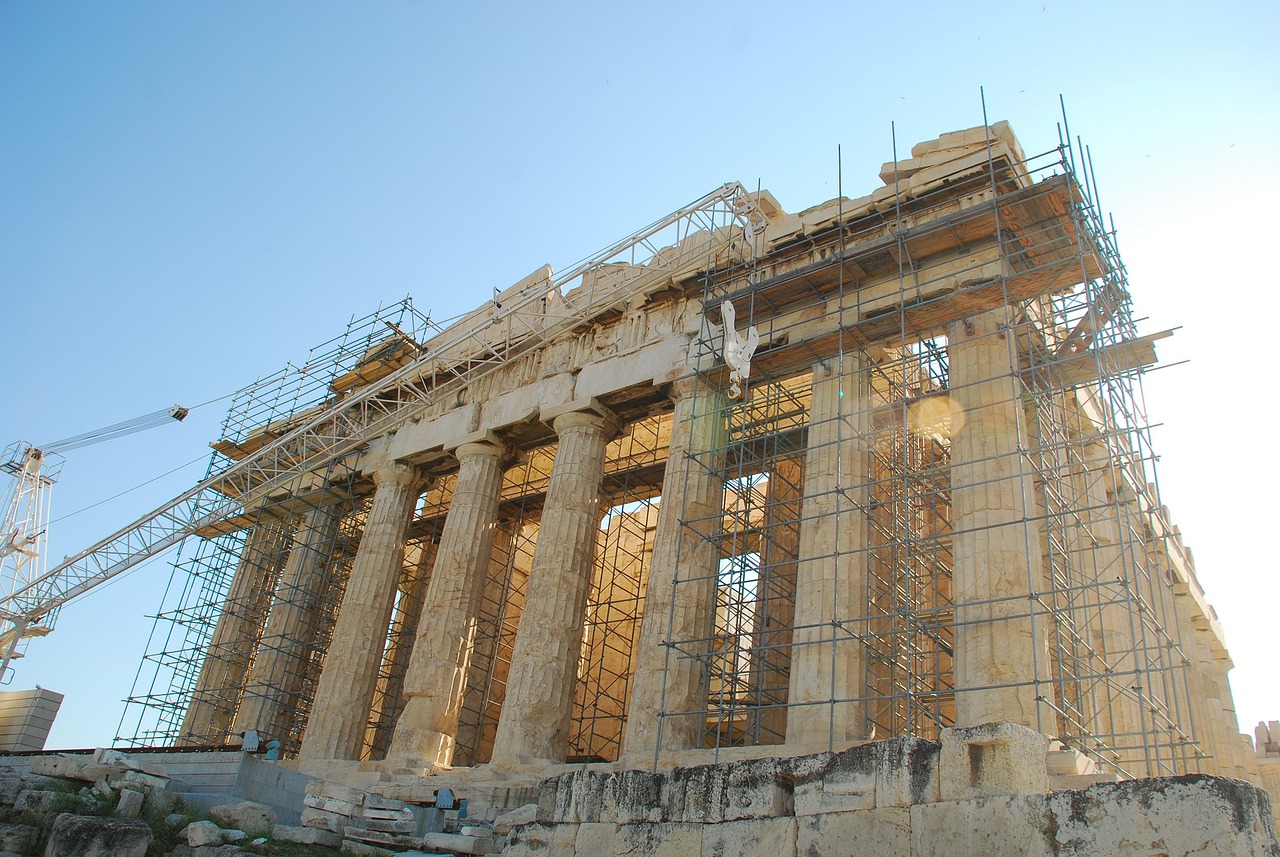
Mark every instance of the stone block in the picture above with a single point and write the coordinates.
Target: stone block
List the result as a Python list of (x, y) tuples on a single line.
[(321, 820), (697, 795), (806, 775), (68, 768), (376, 837), (659, 840), (578, 797), (137, 780), (848, 783), (526, 814), (130, 805), (332, 805), (758, 788), (595, 839), (908, 772), (390, 825), (39, 800), (999, 826), (19, 838), (386, 814), (203, 833), (753, 837), (543, 840), (11, 783), (379, 802), (459, 844), (91, 836), (992, 759), (632, 796), (1194, 814), (548, 795), (337, 791), (253, 818), (882, 832), (306, 836), (364, 849)]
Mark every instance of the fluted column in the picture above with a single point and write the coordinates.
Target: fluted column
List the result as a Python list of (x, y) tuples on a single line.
[(337, 726), (544, 665), (232, 645), (437, 676), (271, 692), (487, 677), (827, 657), (403, 632), (682, 577), (775, 613), (997, 554), (1099, 555)]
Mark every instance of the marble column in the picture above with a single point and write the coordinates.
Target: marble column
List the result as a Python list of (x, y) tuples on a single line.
[(1102, 558), (1199, 691), (999, 650), (544, 665), (500, 603), (828, 656), (682, 578), (231, 648), (611, 632), (775, 613), (271, 693), (389, 696), (343, 698), (437, 677)]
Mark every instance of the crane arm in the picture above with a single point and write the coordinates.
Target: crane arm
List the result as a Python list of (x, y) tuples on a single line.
[(459, 355)]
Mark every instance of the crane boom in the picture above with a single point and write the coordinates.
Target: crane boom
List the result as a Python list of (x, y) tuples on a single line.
[(481, 342)]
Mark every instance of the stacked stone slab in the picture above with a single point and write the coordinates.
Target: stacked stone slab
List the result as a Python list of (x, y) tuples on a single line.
[(977, 791), (330, 806), (107, 774)]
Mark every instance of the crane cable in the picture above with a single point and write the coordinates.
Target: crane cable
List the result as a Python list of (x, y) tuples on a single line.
[(146, 421)]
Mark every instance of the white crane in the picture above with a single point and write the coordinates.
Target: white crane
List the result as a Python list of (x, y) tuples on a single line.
[(24, 527)]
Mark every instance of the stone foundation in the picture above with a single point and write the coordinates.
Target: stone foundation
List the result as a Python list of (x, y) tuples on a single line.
[(978, 791)]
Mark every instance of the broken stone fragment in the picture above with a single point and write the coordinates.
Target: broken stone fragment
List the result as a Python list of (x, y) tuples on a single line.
[(253, 818)]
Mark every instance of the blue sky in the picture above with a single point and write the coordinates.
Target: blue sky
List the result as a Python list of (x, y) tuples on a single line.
[(192, 194)]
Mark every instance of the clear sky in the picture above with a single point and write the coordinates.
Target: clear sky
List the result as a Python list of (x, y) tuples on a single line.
[(192, 194)]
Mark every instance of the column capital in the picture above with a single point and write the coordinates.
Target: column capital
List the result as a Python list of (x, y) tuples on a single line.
[(689, 386), (400, 473), (586, 417), (490, 448)]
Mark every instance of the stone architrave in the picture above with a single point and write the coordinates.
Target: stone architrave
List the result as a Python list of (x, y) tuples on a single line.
[(337, 725), (436, 681), (1000, 645), (544, 665), (283, 653), (682, 577), (828, 658), (234, 638)]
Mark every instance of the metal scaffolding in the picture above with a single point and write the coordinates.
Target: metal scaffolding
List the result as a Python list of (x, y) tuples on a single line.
[(238, 625), (1001, 233), (1114, 681)]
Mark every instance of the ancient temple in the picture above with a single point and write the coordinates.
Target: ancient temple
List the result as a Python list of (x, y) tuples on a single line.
[(750, 484)]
